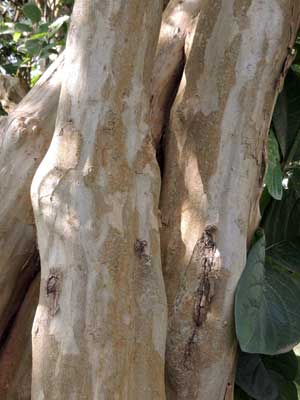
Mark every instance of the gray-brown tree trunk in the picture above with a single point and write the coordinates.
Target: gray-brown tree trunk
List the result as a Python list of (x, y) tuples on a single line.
[(138, 274)]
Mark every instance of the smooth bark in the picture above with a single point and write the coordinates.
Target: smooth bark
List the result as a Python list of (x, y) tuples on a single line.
[(100, 328), (24, 138), (214, 168)]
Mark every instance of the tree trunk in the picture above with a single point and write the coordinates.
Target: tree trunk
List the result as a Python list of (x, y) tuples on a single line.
[(100, 327), (215, 160)]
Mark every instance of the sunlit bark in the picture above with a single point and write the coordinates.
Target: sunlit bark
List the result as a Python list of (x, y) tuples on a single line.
[(214, 167), (99, 332)]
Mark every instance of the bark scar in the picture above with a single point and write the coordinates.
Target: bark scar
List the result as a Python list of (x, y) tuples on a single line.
[(206, 276), (205, 259), (140, 247), (53, 291)]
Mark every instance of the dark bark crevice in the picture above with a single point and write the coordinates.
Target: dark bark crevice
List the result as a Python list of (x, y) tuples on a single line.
[(29, 271)]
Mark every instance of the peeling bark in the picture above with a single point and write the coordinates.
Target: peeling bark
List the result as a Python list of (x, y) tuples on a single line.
[(101, 319), (214, 168), (15, 355), (24, 138)]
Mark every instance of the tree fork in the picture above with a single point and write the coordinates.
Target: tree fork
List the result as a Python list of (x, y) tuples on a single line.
[(39, 106)]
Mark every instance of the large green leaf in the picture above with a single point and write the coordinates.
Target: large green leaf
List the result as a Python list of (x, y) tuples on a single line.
[(267, 377), (274, 174), (21, 27), (285, 364), (287, 389), (253, 377), (33, 47), (285, 254), (282, 219), (267, 312)]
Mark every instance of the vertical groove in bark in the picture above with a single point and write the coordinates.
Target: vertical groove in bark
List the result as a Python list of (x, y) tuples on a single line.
[(215, 149), (25, 278), (101, 319), (24, 137), (15, 355), (177, 23)]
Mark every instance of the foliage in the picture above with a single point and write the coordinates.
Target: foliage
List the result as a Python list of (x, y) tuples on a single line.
[(31, 36), (267, 299)]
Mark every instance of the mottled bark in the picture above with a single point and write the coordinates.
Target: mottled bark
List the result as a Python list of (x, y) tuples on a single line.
[(100, 327), (15, 355), (24, 138), (214, 167)]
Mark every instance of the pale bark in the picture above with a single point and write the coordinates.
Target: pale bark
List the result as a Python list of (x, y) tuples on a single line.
[(178, 19), (24, 138), (214, 168), (15, 355), (99, 332), (17, 234)]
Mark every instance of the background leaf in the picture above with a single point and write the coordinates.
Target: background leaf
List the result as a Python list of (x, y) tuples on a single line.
[(253, 377), (274, 176), (267, 311), (32, 12)]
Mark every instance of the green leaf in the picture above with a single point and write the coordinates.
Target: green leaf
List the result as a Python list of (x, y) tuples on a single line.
[(286, 254), (239, 394), (282, 219), (35, 78), (16, 36), (33, 47), (20, 27), (274, 174), (37, 36), (10, 68), (267, 313), (285, 364), (287, 389), (7, 29), (32, 12), (253, 377), (43, 27)]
